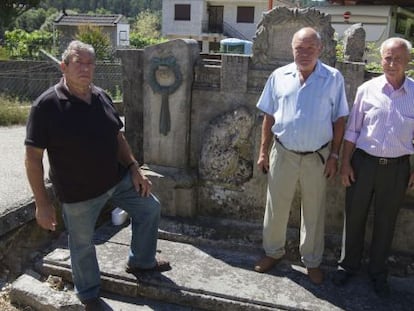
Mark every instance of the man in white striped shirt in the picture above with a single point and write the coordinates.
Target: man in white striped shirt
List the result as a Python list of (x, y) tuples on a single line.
[(375, 163), (304, 105)]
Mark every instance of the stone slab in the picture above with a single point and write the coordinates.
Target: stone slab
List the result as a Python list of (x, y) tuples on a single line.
[(29, 291), (218, 279)]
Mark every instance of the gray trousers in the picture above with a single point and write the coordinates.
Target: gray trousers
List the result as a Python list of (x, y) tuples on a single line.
[(286, 170)]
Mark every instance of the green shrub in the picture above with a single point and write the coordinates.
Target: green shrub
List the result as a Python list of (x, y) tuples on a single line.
[(3, 53), (21, 44), (140, 42), (13, 111)]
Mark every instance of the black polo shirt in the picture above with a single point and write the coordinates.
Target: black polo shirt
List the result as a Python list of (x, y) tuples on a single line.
[(80, 139)]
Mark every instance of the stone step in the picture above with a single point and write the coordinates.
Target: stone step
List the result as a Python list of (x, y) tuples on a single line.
[(213, 277), (28, 290)]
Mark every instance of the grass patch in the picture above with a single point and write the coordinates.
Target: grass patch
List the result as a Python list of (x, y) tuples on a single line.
[(13, 111), (3, 53)]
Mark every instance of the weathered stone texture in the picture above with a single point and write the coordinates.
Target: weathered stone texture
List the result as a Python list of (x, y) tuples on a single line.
[(226, 155), (276, 29), (354, 43)]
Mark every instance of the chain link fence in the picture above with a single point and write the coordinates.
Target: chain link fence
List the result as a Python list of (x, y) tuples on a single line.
[(26, 80)]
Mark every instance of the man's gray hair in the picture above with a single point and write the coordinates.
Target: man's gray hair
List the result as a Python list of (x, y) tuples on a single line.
[(76, 46), (404, 42)]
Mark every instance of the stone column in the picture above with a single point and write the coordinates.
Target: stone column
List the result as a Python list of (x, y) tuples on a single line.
[(132, 80), (168, 77)]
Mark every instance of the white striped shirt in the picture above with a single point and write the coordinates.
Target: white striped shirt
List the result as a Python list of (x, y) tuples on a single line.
[(304, 113), (382, 119)]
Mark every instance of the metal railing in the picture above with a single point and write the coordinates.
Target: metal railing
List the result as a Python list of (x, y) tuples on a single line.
[(230, 31), (224, 28)]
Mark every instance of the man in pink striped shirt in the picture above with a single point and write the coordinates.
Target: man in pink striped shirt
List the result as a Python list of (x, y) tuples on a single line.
[(375, 163)]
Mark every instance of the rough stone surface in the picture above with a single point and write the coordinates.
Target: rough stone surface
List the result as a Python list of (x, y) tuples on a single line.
[(27, 290), (226, 153), (42, 296), (354, 43)]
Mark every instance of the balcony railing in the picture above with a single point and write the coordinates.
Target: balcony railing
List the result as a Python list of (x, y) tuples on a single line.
[(224, 28)]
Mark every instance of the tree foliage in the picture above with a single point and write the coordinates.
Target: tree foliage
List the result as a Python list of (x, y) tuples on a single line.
[(33, 19), (22, 44), (147, 24), (128, 8), (10, 9), (33, 28), (140, 42), (98, 39)]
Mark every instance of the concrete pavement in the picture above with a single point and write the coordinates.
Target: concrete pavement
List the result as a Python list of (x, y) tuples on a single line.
[(14, 187), (16, 199)]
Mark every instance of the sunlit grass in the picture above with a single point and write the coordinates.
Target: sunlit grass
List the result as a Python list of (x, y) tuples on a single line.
[(13, 111), (3, 54)]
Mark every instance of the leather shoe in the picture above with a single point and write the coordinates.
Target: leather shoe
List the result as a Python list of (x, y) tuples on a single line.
[(315, 275), (160, 266), (265, 264), (341, 277)]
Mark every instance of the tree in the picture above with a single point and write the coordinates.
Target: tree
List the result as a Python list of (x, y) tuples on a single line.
[(100, 41), (147, 24), (31, 20), (21, 44), (10, 9)]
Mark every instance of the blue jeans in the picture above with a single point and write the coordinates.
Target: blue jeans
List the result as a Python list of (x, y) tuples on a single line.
[(80, 220)]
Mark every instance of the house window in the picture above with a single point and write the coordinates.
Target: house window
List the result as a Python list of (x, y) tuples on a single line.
[(123, 37), (245, 14), (182, 12)]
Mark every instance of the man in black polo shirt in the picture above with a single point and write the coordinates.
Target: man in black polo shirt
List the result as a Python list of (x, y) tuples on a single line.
[(78, 126)]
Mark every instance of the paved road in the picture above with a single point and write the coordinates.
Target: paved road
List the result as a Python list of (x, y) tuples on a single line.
[(14, 188)]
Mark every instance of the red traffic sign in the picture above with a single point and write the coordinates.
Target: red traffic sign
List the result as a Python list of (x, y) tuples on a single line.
[(347, 15)]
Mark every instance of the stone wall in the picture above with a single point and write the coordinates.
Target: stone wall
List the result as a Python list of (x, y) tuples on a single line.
[(218, 168), (206, 160)]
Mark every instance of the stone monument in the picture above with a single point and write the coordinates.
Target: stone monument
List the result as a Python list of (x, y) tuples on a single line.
[(354, 43), (273, 44)]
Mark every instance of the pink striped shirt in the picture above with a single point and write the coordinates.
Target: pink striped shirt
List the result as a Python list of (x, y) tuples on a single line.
[(381, 121)]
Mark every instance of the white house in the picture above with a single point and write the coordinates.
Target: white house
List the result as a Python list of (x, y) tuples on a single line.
[(210, 21), (379, 21)]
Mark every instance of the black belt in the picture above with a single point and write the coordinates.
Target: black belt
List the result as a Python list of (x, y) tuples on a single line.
[(382, 161), (306, 152)]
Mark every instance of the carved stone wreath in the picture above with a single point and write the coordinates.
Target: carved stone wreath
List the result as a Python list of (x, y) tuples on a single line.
[(165, 75), (164, 78)]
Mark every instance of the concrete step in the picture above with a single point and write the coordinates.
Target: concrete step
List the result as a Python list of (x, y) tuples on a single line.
[(29, 291), (210, 276)]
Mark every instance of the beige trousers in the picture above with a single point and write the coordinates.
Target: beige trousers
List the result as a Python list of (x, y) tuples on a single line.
[(286, 170)]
